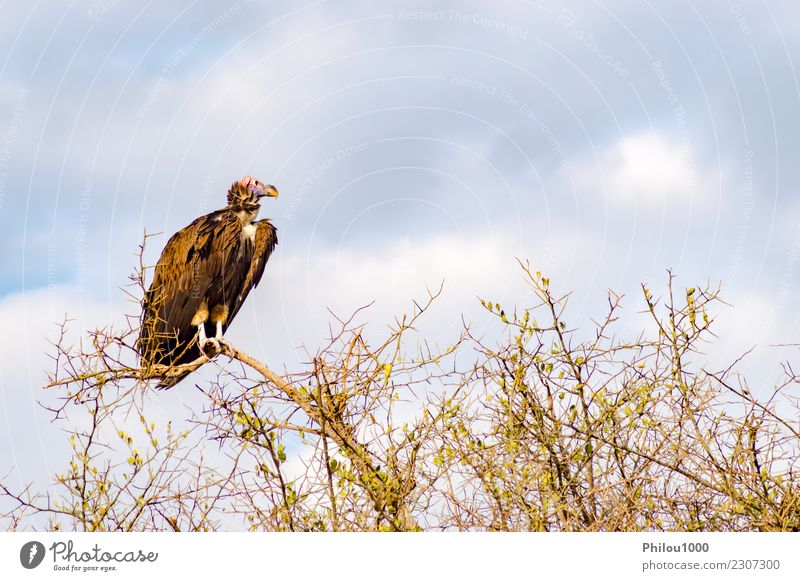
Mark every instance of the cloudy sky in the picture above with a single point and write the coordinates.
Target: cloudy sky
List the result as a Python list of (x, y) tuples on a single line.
[(412, 143)]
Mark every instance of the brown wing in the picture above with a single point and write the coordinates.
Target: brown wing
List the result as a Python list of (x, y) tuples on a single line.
[(265, 242), (197, 265)]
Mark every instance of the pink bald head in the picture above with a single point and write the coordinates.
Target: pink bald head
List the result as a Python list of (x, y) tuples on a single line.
[(248, 191), (256, 187), (247, 181)]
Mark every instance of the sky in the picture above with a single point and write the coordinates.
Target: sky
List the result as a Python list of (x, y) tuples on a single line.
[(412, 143)]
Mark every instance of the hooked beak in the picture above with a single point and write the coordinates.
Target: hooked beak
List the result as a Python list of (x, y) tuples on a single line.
[(268, 192)]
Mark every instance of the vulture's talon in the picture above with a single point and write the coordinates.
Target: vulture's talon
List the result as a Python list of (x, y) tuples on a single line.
[(210, 347)]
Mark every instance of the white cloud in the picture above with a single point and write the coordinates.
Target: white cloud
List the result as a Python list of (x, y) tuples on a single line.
[(760, 324), (647, 168)]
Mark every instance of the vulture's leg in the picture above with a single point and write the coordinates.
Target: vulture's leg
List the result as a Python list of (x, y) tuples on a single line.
[(209, 346), (219, 314), (200, 318), (219, 337)]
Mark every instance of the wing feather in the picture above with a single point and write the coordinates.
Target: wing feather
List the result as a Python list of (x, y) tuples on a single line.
[(194, 267)]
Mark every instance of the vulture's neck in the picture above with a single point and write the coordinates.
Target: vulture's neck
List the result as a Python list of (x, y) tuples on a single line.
[(246, 216), (248, 227)]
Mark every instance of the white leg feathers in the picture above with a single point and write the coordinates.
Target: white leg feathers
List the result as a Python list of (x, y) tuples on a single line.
[(209, 346), (219, 338)]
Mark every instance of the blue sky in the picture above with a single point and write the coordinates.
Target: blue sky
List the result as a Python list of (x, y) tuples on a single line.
[(412, 142)]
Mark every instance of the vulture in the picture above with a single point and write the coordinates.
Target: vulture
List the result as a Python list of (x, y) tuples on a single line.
[(203, 276)]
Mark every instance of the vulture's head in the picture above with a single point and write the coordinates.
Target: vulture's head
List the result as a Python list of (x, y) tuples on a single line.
[(245, 195)]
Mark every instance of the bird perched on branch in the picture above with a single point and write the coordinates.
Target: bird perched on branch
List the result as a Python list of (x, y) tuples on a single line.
[(203, 276)]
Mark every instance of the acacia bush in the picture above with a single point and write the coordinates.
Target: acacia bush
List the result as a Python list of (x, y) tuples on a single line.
[(547, 428)]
